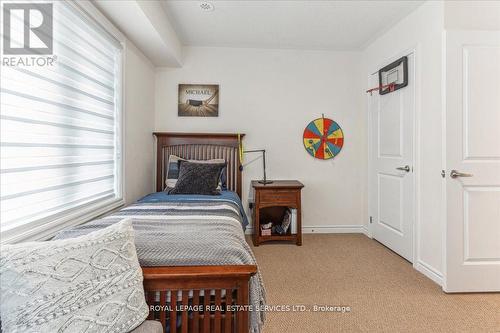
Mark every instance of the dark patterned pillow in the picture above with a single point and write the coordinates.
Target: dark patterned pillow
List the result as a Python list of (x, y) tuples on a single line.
[(172, 171), (198, 178)]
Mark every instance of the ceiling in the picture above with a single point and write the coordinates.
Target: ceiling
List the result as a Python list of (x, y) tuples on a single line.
[(322, 25)]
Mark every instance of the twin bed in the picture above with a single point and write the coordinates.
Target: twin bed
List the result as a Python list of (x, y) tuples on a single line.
[(200, 275)]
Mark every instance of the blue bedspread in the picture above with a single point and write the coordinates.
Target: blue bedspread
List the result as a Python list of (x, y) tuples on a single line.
[(225, 196)]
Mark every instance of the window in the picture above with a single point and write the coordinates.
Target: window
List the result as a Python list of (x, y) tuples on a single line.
[(60, 129)]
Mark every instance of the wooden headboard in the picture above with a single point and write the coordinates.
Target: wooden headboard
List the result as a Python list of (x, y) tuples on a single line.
[(199, 146)]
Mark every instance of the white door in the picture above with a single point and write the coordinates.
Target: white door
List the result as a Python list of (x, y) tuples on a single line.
[(473, 148), (391, 165)]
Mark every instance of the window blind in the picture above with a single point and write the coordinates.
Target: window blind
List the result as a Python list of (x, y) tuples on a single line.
[(60, 125)]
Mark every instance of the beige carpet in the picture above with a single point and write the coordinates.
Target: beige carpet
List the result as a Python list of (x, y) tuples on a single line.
[(383, 290)]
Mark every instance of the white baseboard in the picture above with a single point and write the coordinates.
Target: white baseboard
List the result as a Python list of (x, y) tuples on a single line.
[(429, 271), (333, 229), (367, 232)]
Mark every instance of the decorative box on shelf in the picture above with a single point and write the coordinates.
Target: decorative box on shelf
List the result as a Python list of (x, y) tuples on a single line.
[(265, 232), (278, 203)]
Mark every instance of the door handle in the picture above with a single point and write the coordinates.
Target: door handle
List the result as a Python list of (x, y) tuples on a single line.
[(405, 168), (455, 174)]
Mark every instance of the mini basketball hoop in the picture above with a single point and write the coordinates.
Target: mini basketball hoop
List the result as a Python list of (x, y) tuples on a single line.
[(392, 77)]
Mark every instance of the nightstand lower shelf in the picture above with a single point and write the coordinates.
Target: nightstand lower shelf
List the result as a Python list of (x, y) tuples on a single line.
[(290, 238)]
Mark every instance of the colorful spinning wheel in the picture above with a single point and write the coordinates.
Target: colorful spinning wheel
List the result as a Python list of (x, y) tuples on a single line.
[(323, 138)]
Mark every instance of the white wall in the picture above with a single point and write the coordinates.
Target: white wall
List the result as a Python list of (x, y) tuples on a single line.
[(271, 95), (472, 15), (423, 30), (139, 81)]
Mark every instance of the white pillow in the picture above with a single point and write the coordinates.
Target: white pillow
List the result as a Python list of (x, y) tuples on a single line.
[(92, 283)]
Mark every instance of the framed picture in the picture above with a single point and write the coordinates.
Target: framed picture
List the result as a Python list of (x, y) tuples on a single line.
[(198, 100)]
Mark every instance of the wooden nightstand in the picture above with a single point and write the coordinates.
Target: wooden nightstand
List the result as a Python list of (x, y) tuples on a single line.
[(271, 201)]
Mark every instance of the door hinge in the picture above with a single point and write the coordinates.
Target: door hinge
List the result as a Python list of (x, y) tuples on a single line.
[(443, 173), (371, 219)]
